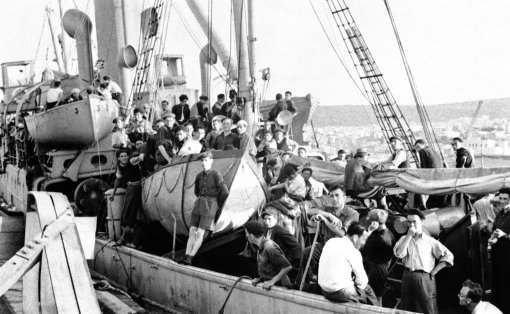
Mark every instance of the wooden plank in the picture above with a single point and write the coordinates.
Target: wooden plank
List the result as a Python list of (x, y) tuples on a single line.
[(31, 279), (77, 264), (37, 288), (65, 299), (13, 269)]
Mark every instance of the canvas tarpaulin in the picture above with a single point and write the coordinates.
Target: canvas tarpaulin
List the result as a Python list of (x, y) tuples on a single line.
[(443, 181)]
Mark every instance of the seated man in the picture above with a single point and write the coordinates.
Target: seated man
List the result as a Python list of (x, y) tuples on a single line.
[(342, 277), (272, 265), (286, 241), (470, 297), (357, 172)]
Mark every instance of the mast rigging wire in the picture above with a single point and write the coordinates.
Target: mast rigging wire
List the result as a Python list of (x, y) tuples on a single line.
[(428, 129)]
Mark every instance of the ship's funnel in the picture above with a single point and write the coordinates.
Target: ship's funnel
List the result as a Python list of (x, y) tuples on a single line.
[(78, 25), (128, 57)]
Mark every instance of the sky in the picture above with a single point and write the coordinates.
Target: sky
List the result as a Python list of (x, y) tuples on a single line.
[(458, 49)]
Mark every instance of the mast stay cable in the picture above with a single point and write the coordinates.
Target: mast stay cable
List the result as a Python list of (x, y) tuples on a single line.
[(428, 129)]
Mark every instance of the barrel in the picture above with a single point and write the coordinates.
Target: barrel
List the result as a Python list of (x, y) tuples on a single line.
[(114, 212)]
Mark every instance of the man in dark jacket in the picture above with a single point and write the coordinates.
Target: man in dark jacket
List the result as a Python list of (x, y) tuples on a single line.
[(464, 158), (428, 157), (181, 110)]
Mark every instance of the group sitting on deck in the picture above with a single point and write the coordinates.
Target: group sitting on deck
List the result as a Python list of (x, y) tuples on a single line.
[(309, 236)]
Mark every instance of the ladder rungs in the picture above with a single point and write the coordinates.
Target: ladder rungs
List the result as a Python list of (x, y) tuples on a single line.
[(341, 10), (371, 76)]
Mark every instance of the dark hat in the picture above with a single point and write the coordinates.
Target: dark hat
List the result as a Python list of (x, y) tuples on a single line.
[(183, 97), (361, 152)]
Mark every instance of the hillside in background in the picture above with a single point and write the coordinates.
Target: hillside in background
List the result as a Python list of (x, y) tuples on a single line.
[(352, 115)]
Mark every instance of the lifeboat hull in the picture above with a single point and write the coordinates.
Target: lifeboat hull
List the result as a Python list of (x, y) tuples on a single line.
[(168, 195), (76, 124)]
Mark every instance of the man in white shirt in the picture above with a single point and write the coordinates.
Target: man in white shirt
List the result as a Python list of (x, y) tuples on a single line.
[(470, 297), (114, 89), (54, 95), (423, 257), (398, 158), (342, 277)]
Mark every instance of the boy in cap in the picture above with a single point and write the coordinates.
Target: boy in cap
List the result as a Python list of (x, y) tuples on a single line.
[(210, 191)]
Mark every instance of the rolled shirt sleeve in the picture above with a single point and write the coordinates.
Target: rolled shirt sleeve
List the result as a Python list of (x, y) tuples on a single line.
[(441, 253)]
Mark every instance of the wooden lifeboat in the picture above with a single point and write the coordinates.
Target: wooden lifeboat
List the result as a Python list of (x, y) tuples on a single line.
[(79, 123), (168, 195)]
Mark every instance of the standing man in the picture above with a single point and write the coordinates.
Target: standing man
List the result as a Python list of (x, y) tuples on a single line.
[(54, 95), (378, 251), (211, 192), (227, 107), (165, 139), (499, 244), (114, 89), (423, 257), (272, 265), (341, 158), (181, 110), (218, 105), (470, 297), (428, 157), (203, 108), (464, 159), (342, 277)]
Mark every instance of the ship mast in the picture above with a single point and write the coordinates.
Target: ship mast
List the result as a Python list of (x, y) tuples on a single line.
[(245, 89)]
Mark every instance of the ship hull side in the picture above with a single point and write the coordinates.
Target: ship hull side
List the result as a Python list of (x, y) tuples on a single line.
[(194, 290)]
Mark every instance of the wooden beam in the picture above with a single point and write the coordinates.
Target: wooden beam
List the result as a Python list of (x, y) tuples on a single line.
[(56, 258), (76, 262), (27, 256)]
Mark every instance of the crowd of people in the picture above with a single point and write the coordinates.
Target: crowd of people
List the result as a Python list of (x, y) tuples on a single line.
[(309, 236)]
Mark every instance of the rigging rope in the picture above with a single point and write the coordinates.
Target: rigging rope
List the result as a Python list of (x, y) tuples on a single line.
[(196, 41), (428, 129), (339, 57)]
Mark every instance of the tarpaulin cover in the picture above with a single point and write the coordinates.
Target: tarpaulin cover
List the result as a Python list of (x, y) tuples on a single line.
[(327, 172), (443, 181)]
